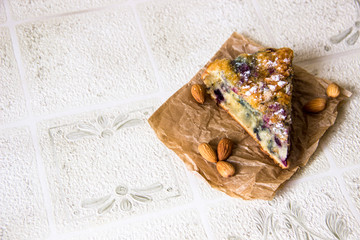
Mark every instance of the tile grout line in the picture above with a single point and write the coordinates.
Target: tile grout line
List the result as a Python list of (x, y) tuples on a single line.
[(134, 2), (273, 41), (32, 124), (82, 109), (263, 23), (129, 220), (20, 123), (89, 108), (147, 46), (345, 193), (64, 14), (137, 218), (327, 58), (199, 203)]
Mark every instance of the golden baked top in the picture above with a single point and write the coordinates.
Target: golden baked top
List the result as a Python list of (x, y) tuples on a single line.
[(264, 80), (259, 78)]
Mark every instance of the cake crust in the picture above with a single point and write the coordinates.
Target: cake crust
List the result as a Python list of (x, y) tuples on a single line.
[(254, 137), (256, 91)]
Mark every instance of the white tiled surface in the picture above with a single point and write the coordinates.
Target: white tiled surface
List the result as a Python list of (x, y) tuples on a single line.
[(22, 213), (318, 163), (108, 165), (206, 191), (2, 13), (185, 37), (343, 140), (78, 160), (64, 76), (307, 26), (180, 225), (303, 209), (352, 180), (39, 8), (12, 100)]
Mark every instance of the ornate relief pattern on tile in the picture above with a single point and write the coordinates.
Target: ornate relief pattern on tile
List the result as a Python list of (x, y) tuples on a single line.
[(343, 140), (38, 8), (22, 215), (107, 165), (310, 210), (352, 180), (12, 101), (307, 27), (84, 59), (185, 37), (2, 13), (184, 225)]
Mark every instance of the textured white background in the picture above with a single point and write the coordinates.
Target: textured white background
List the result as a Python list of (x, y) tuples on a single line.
[(87, 68)]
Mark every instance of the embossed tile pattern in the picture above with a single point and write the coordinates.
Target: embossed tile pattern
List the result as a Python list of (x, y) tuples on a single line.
[(12, 101), (185, 37), (22, 215), (307, 26), (352, 180), (84, 59), (310, 209), (38, 8), (127, 170), (343, 140), (184, 225)]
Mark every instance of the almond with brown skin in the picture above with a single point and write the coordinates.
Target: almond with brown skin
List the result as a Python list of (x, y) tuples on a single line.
[(204, 75), (225, 169), (198, 92), (333, 90), (224, 149), (207, 152), (316, 105)]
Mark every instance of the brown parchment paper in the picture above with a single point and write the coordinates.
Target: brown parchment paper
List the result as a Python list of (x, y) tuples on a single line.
[(182, 124)]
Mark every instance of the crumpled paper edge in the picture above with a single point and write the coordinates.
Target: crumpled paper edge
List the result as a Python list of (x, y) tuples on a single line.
[(190, 163)]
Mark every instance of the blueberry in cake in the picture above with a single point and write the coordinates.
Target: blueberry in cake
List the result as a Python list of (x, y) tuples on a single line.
[(256, 90)]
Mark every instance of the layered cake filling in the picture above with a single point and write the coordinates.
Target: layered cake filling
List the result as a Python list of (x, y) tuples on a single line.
[(256, 90)]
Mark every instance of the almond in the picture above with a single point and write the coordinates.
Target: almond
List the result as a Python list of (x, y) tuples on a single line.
[(224, 149), (225, 169), (333, 90), (207, 152), (198, 92), (204, 75), (316, 105)]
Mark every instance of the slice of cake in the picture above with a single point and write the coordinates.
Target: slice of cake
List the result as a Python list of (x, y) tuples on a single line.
[(256, 89)]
